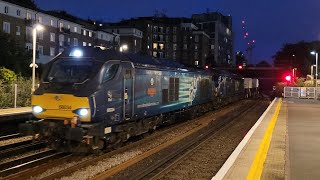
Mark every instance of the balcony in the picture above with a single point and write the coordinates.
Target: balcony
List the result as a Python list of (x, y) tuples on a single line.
[(65, 30), (29, 22)]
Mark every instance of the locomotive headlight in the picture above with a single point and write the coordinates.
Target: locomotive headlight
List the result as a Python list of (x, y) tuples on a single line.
[(37, 109), (76, 53), (83, 112)]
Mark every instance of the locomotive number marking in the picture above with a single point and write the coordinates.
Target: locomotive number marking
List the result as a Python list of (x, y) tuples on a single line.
[(152, 91), (64, 107)]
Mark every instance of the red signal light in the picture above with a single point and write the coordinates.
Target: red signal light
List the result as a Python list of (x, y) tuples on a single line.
[(288, 78), (240, 67), (207, 66)]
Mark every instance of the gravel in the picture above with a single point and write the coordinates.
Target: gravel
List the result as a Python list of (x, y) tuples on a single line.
[(161, 138), (23, 155), (15, 140)]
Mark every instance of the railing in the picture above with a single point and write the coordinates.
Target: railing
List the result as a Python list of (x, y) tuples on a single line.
[(15, 95), (301, 92)]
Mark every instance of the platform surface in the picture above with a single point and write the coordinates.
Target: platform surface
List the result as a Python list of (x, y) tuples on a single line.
[(14, 111), (292, 150), (304, 138)]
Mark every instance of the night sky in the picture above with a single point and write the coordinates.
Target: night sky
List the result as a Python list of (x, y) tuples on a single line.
[(271, 22)]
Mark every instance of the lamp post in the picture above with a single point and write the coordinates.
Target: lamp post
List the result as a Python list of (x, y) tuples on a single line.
[(311, 67), (34, 46), (315, 53)]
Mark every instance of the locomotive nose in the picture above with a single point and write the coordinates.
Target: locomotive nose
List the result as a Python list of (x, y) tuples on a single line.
[(61, 107)]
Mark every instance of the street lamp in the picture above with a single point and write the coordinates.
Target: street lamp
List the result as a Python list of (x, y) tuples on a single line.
[(315, 53), (124, 48), (36, 28), (294, 73)]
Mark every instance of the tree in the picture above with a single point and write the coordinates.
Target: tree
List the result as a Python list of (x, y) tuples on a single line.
[(7, 75), (263, 64), (13, 56), (297, 56)]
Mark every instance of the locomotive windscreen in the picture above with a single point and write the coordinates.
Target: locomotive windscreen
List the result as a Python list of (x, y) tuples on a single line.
[(72, 70)]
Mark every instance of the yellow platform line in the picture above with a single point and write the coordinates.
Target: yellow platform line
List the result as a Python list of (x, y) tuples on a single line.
[(257, 165)]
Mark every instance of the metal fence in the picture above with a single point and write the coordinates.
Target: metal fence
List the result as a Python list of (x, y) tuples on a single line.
[(300, 92), (15, 95)]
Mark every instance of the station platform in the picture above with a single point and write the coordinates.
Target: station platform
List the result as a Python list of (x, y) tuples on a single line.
[(283, 144), (14, 113)]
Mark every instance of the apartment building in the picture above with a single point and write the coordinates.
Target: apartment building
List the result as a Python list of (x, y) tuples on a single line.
[(131, 37), (61, 30), (219, 28), (194, 41)]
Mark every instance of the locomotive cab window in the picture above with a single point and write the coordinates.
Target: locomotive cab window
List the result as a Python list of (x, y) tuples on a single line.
[(110, 72), (72, 71)]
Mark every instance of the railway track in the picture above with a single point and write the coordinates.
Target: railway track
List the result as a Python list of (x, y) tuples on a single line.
[(11, 136), (189, 160), (120, 169), (20, 164), (181, 146)]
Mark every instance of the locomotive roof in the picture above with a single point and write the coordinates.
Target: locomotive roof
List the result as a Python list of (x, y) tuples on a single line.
[(139, 60)]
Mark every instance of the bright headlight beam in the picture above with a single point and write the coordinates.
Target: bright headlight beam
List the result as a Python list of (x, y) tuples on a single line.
[(76, 53), (37, 109), (83, 112)]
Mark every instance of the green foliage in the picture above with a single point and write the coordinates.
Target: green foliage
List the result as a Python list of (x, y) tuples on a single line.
[(7, 92), (297, 56), (13, 56), (7, 75)]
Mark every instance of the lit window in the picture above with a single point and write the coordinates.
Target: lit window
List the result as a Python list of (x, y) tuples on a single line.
[(161, 46), (89, 44), (135, 42), (155, 46), (69, 27), (90, 34), (84, 44), (75, 29), (51, 22), (84, 32)]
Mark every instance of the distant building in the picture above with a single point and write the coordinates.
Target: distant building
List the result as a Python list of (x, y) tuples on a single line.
[(61, 30), (204, 39), (129, 36), (219, 28)]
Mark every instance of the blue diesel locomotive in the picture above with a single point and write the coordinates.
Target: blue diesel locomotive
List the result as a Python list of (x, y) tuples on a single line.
[(92, 99)]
